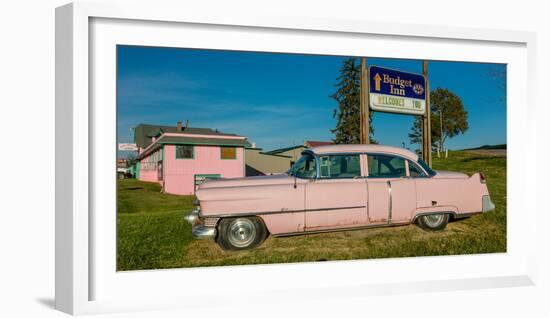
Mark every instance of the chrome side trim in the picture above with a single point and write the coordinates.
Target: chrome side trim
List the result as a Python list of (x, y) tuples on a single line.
[(282, 212), (364, 227), (390, 207), (317, 167)]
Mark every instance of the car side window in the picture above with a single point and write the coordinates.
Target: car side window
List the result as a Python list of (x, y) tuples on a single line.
[(386, 166), (414, 170), (340, 166), (304, 168)]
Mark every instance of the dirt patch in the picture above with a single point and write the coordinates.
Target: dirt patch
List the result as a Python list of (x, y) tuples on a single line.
[(489, 152)]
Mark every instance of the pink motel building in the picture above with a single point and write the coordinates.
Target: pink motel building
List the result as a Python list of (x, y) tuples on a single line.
[(179, 158)]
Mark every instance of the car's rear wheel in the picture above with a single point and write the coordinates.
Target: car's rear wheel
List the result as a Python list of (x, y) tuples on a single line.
[(240, 233), (433, 222)]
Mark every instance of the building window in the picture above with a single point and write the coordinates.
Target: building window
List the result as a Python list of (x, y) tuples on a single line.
[(185, 152), (228, 152)]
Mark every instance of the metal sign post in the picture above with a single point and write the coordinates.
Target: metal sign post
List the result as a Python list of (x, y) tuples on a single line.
[(364, 131), (427, 132)]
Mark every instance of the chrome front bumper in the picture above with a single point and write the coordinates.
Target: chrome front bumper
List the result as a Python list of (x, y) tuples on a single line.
[(198, 229), (487, 204)]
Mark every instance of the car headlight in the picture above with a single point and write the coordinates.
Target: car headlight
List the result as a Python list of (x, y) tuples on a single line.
[(192, 217)]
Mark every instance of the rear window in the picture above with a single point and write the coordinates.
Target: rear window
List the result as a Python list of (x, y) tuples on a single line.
[(386, 166), (427, 168), (415, 171)]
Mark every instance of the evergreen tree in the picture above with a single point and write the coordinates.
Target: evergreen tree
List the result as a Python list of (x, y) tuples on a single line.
[(448, 119), (347, 96)]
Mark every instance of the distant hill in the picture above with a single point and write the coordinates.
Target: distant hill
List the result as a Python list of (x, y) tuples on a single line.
[(488, 147)]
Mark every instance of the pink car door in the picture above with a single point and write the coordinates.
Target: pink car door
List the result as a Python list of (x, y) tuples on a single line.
[(391, 192), (338, 197)]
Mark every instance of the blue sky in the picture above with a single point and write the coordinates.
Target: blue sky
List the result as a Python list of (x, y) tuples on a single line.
[(280, 100)]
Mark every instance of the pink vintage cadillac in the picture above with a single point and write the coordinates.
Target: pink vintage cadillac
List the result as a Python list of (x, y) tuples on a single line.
[(335, 188)]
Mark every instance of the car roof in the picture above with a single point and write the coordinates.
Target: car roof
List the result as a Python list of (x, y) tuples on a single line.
[(361, 148)]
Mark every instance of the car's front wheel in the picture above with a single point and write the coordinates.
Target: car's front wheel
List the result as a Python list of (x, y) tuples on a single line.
[(433, 222), (240, 233)]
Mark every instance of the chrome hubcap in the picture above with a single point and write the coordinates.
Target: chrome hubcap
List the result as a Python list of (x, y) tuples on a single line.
[(241, 232), (433, 220)]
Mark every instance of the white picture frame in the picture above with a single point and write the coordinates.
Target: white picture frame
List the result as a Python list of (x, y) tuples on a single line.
[(85, 280)]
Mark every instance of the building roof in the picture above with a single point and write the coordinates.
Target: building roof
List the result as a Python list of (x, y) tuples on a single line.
[(365, 148), (259, 150), (315, 143), (143, 133), (202, 141), (188, 140), (307, 144), (276, 151)]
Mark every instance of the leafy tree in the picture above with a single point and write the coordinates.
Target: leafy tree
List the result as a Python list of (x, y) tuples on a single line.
[(497, 73), (347, 96), (448, 119), (132, 158)]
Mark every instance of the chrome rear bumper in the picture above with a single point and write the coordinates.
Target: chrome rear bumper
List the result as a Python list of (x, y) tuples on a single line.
[(487, 204)]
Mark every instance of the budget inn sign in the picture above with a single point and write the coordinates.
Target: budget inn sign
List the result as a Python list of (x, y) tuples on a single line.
[(396, 92)]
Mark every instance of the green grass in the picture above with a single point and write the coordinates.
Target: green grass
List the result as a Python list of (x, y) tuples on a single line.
[(152, 233), (150, 229)]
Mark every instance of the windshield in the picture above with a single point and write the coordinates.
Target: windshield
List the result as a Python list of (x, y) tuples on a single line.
[(426, 167), (305, 167)]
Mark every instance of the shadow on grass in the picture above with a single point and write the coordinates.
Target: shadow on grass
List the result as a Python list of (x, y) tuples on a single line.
[(452, 219), (479, 158)]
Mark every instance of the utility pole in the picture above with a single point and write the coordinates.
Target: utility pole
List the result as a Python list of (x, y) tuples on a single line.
[(364, 131), (441, 129), (426, 121)]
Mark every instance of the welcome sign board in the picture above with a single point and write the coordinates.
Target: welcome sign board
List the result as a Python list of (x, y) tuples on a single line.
[(396, 92)]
